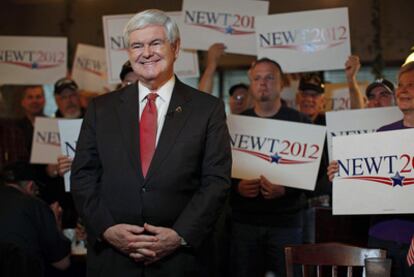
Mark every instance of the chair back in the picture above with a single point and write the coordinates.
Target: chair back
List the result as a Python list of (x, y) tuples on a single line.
[(322, 255)]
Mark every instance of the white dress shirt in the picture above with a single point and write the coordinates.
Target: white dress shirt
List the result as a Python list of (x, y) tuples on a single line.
[(162, 102)]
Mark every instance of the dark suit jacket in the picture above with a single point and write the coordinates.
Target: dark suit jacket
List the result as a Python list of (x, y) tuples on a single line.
[(186, 185)]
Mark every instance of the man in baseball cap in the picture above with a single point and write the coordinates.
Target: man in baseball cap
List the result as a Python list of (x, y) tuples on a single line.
[(67, 99), (240, 99), (127, 74), (380, 93), (310, 98)]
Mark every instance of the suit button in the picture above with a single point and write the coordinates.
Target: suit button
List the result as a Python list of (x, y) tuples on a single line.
[(144, 190)]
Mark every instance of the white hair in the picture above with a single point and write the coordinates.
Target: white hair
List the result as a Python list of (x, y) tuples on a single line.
[(152, 17)]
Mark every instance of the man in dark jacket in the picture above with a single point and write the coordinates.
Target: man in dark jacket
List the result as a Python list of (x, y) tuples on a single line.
[(27, 223)]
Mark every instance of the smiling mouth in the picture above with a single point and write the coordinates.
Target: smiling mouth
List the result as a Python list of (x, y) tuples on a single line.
[(149, 62)]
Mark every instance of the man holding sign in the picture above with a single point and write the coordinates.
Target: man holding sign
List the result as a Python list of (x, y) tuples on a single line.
[(263, 211)]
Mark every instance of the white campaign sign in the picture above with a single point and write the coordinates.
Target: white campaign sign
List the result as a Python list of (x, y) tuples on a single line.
[(89, 68), (338, 96), (305, 41), (69, 133), (46, 141), (289, 94), (32, 60), (287, 153), (340, 99), (376, 173), (231, 22), (186, 65), (362, 121)]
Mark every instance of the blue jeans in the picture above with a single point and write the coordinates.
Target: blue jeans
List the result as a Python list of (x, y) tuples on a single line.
[(397, 252), (256, 250)]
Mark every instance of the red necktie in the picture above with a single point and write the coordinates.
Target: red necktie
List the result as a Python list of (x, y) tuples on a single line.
[(148, 132), (410, 255)]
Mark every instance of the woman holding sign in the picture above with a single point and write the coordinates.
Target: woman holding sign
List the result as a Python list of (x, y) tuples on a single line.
[(394, 232)]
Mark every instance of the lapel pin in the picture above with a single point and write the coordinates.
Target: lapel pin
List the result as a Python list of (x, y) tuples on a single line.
[(178, 109)]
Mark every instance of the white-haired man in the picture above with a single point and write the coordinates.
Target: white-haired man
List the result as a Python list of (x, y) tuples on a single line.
[(152, 165)]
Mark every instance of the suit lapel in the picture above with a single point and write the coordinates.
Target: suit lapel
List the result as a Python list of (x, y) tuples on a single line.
[(127, 110), (177, 114)]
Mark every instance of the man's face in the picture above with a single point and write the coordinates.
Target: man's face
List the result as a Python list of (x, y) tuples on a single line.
[(310, 103), (265, 82), (405, 92), (239, 101), (380, 97), (33, 101), (68, 103), (152, 56)]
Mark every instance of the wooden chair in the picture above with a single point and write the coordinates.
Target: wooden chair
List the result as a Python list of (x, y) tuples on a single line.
[(327, 254)]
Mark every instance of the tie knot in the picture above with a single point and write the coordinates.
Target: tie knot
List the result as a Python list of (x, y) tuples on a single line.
[(152, 96)]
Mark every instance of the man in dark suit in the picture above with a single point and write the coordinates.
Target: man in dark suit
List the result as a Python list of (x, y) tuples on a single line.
[(151, 172)]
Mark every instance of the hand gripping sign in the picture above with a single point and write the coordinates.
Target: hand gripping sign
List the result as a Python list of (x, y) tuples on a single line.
[(286, 153), (376, 173)]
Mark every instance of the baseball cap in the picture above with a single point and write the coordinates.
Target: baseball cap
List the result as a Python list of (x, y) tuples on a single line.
[(236, 87), (311, 85), (387, 85), (65, 83), (126, 68)]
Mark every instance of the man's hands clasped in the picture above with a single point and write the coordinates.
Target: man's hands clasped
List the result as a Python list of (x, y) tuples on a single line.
[(145, 244)]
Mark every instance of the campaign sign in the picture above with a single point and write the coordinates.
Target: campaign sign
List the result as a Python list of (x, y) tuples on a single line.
[(46, 141), (231, 22), (186, 66), (288, 94), (89, 68), (69, 133), (362, 121), (287, 153), (376, 173), (305, 41), (338, 97), (32, 60)]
